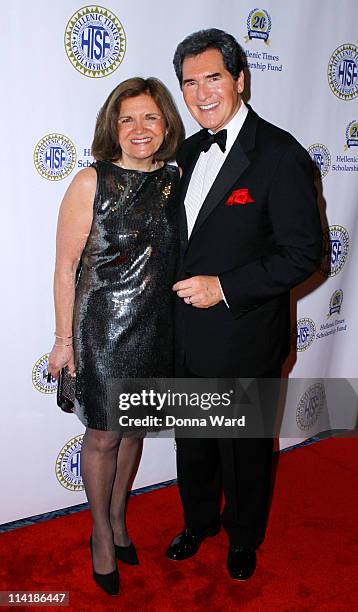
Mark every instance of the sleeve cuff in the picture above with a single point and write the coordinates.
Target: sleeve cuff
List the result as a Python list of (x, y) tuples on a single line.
[(222, 293)]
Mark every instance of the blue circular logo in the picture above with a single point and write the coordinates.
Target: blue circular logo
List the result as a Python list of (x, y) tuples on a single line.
[(306, 332), (343, 72), (321, 158), (55, 157), (352, 134), (95, 41), (335, 250), (310, 406), (258, 25), (68, 465), (41, 379)]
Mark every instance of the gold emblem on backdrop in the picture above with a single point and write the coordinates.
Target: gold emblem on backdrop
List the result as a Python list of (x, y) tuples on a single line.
[(95, 41)]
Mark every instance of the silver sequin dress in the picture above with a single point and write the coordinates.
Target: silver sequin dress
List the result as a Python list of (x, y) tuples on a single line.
[(123, 311)]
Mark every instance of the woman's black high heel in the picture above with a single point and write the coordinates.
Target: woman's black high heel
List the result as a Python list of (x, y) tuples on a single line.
[(108, 582), (127, 554)]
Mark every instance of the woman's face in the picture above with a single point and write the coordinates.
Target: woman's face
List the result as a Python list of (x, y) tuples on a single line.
[(141, 128)]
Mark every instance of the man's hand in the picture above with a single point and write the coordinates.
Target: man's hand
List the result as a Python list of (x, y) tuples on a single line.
[(199, 291)]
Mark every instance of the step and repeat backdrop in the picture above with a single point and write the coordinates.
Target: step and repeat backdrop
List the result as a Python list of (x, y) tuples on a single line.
[(59, 64)]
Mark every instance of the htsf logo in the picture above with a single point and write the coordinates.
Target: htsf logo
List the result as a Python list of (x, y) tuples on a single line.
[(55, 157), (310, 406), (306, 331), (68, 465), (321, 158), (343, 72), (41, 379), (95, 41), (335, 250)]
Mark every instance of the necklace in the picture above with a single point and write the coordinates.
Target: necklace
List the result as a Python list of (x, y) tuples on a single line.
[(154, 166)]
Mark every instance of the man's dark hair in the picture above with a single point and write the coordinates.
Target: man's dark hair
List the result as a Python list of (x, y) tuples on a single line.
[(198, 42)]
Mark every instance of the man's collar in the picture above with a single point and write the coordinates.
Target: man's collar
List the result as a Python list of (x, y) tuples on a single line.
[(235, 124)]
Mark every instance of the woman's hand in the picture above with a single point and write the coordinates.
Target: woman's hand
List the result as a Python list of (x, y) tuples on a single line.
[(60, 357)]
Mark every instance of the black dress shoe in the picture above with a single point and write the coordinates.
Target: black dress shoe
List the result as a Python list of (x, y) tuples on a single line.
[(127, 554), (108, 582), (187, 543), (241, 562)]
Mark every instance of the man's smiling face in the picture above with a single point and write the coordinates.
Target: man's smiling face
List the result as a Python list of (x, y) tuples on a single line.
[(210, 92)]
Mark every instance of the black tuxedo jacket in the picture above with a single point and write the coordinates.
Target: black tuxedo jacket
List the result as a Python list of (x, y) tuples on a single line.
[(259, 251)]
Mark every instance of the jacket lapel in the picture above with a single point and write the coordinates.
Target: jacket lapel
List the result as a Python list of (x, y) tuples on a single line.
[(231, 170), (193, 155)]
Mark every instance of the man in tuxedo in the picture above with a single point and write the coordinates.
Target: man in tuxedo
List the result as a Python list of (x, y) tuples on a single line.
[(250, 231)]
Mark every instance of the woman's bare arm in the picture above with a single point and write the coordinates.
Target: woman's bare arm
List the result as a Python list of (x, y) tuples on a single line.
[(74, 224)]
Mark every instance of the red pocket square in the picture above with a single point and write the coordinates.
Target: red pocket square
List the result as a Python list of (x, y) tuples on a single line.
[(239, 196)]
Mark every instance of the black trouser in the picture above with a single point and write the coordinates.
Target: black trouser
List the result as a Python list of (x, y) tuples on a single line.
[(241, 467)]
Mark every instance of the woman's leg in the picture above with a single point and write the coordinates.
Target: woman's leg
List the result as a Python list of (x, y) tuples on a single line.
[(126, 460), (98, 468)]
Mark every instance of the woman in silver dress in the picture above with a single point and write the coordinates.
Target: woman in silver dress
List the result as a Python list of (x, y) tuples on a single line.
[(117, 235)]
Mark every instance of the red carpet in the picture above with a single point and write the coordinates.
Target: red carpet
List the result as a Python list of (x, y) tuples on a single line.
[(308, 561)]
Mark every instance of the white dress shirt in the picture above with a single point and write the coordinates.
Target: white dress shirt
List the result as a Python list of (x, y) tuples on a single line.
[(206, 170)]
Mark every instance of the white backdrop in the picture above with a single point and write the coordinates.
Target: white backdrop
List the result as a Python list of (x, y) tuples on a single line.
[(289, 46)]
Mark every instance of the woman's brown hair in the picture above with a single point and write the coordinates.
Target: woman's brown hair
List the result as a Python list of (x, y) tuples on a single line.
[(105, 142)]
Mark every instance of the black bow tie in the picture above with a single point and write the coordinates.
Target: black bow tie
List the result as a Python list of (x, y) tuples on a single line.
[(209, 139)]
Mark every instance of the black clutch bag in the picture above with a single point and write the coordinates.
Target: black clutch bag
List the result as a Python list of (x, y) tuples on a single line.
[(66, 390)]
